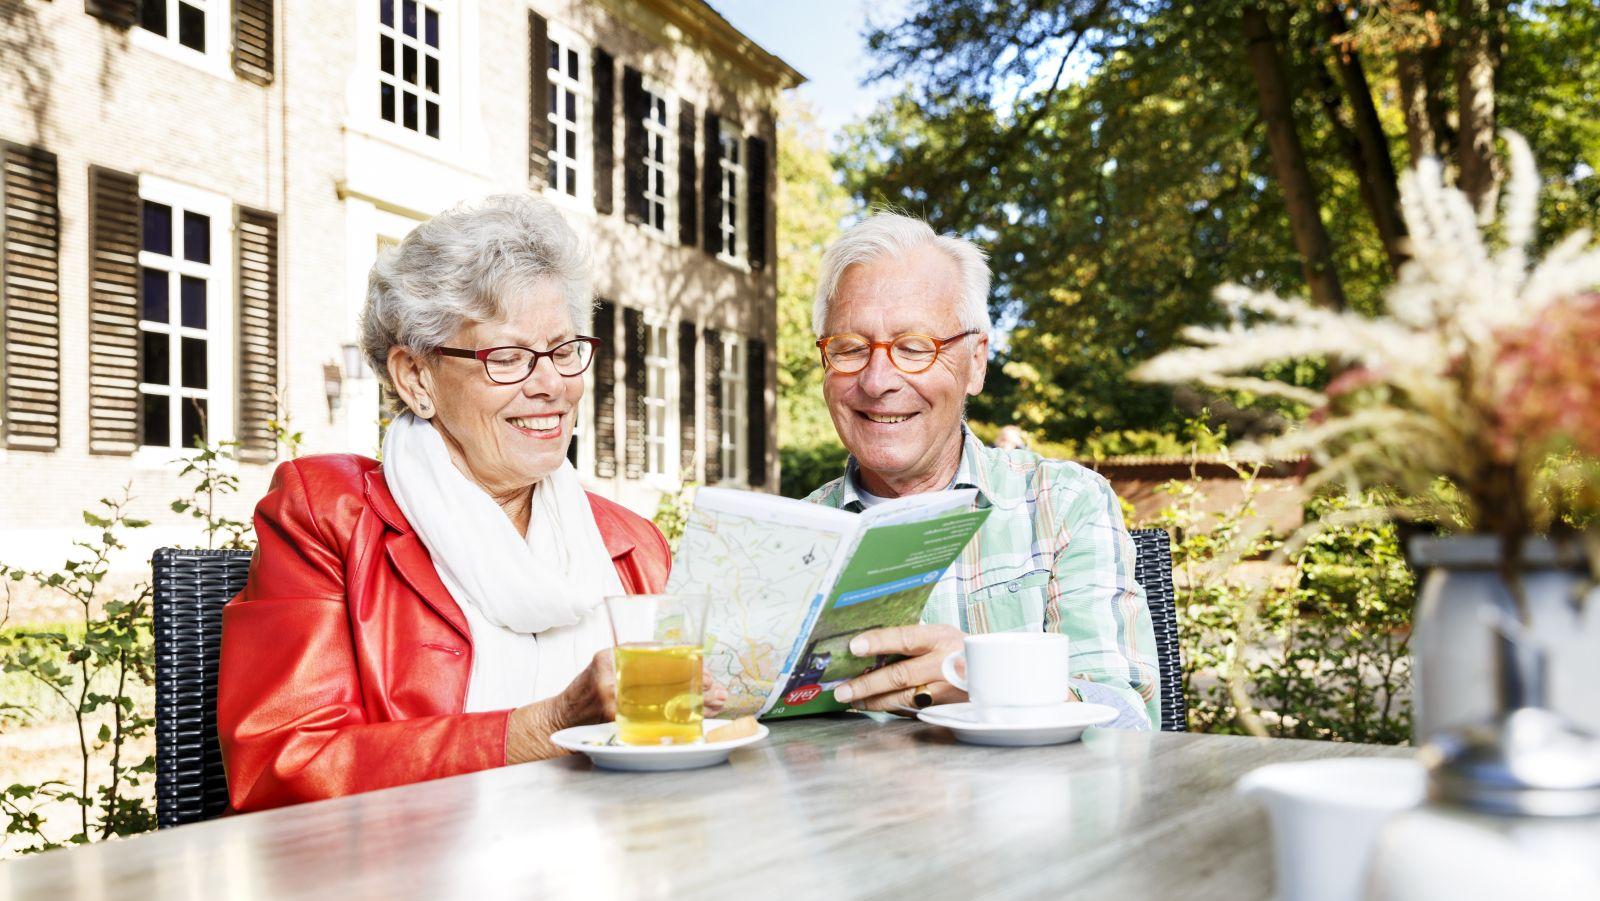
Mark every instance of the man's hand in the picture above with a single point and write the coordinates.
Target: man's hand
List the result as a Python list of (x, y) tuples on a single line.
[(892, 687)]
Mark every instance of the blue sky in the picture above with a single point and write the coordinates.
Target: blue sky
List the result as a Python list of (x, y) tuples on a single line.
[(823, 39)]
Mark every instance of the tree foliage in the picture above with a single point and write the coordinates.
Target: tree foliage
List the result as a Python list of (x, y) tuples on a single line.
[(811, 207), (1113, 157)]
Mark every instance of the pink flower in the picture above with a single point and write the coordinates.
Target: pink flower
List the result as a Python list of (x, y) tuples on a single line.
[(1548, 379)]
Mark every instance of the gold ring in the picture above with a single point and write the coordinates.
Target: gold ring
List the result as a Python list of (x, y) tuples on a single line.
[(921, 697)]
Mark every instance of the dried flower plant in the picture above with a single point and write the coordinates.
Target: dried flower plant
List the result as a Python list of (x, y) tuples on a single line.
[(1476, 398)]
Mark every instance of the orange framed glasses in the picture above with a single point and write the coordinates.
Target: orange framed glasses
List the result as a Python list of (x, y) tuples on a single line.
[(849, 353)]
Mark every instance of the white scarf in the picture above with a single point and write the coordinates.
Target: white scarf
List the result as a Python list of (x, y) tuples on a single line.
[(533, 602)]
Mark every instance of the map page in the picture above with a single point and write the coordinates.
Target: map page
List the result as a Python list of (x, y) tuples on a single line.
[(764, 562), (885, 582)]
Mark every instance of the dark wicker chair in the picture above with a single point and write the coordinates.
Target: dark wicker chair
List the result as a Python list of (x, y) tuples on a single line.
[(192, 586), (1153, 570), (190, 589)]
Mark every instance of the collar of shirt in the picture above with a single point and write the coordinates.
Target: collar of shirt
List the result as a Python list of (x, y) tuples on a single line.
[(969, 474)]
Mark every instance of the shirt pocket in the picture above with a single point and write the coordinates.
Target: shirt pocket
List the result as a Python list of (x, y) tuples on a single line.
[(1012, 604)]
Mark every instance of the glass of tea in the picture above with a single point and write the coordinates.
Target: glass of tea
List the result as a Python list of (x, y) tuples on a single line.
[(660, 650)]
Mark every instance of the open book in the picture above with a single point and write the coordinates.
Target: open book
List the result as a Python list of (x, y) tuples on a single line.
[(791, 583)]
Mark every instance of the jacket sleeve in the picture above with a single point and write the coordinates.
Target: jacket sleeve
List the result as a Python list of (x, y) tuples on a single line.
[(290, 717)]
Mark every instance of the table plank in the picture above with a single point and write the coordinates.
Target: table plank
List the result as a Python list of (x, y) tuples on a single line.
[(840, 806)]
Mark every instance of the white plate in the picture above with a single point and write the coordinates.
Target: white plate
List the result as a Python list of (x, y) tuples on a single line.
[(592, 740), (1051, 726)]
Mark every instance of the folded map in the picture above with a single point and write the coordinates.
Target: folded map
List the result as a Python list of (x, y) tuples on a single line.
[(791, 583)]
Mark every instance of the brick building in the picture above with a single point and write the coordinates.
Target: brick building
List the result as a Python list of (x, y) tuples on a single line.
[(194, 190)]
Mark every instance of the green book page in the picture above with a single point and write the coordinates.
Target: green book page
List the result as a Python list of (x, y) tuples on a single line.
[(885, 583)]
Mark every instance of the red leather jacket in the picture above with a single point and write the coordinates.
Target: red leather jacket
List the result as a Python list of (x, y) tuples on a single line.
[(344, 660)]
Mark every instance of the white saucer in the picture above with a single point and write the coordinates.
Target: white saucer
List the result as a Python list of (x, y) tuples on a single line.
[(1050, 726), (592, 740)]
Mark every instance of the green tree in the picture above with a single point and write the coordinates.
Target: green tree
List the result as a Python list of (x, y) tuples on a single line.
[(1119, 159), (811, 207)]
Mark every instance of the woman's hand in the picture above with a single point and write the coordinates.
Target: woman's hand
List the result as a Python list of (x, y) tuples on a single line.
[(589, 698)]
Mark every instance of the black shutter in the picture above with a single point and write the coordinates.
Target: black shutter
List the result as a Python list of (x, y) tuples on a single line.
[(113, 311), (713, 406), (605, 390), (258, 334), (30, 298), (253, 40), (121, 13), (605, 130), (687, 391), (633, 145), (539, 101), (760, 200), (633, 377), (688, 199), (711, 186), (755, 380)]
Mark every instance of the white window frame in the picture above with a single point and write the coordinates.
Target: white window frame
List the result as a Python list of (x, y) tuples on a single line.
[(445, 93), (734, 412), (219, 333), (582, 91), (660, 454), (664, 131), (215, 59), (733, 212)]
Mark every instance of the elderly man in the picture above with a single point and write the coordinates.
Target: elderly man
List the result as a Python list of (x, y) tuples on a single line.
[(1053, 555)]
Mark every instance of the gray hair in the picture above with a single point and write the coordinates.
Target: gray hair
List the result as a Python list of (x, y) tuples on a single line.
[(887, 234), (460, 266)]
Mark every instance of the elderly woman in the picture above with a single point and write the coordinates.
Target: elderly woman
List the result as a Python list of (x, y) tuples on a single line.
[(440, 613)]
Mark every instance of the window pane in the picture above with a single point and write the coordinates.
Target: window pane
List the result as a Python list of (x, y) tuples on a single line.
[(572, 183), (386, 12), (153, 15), (555, 173), (408, 66), (433, 119), (432, 66), (155, 363), (555, 56), (155, 421), (191, 27), (194, 418), (194, 302), (408, 17), (158, 228), (572, 145), (410, 107), (196, 237), (386, 53), (386, 92), (572, 106), (572, 64), (153, 305), (194, 362), (431, 29)]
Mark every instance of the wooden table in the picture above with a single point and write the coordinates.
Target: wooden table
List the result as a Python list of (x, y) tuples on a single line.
[(826, 808)]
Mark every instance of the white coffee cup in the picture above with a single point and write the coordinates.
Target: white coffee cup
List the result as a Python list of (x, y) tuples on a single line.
[(1012, 674)]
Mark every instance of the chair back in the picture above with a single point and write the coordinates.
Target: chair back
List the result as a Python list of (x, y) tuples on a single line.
[(190, 589), (1152, 569)]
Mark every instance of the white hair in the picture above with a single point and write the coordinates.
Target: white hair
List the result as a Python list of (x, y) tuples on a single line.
[(886, 234), (461, 265)]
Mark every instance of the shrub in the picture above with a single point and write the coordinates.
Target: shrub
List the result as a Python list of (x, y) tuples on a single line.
[(1316, 651), (807, 467)]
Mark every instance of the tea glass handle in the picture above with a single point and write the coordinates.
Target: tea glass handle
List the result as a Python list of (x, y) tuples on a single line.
[(947, 669)]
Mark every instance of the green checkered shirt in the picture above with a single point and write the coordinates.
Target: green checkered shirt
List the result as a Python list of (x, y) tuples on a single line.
[(1055, 555)]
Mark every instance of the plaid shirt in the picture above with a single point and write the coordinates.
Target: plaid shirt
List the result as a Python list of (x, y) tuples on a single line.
[(1055, 555)]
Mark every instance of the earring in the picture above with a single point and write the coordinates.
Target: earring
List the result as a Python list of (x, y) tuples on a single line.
[(424, 410)]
